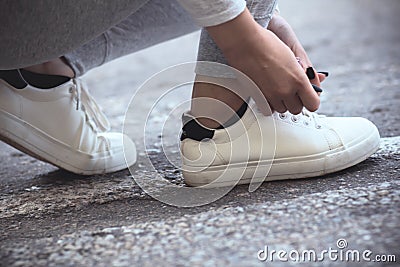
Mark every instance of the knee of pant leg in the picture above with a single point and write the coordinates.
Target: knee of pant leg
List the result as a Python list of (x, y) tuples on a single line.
[(19, 54), (262, 10)]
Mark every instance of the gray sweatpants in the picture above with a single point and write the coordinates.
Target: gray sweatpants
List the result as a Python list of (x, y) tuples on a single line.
[(92, 32)]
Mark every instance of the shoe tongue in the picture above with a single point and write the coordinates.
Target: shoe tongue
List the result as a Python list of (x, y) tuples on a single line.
[(14, 78), (43, 81)]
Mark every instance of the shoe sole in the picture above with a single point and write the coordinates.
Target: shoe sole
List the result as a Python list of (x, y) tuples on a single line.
[(287, 168), (32, 141)]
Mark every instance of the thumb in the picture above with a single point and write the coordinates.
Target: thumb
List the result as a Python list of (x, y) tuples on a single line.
[(321, 77)]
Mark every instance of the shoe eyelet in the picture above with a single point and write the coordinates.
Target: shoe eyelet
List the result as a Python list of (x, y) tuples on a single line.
[(282, 116), (318, 126), (70, 90), (306, 123), (295, 119)]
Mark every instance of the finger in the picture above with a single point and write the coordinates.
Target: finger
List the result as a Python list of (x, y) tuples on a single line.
[(321, 77), (278, 106), (294, 104), (264, 107), (317, 89), (313, 76), (262, 104), (308, 96), (267, 104), (324, 72)]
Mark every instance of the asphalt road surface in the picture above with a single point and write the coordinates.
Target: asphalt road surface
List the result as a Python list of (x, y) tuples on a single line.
[(50, 217)]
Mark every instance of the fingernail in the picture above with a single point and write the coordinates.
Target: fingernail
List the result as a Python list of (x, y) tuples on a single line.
[(324, 73), (310, 73), (317, 89)]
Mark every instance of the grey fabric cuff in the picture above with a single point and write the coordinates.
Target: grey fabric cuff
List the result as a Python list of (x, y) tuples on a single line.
[(210, 13)]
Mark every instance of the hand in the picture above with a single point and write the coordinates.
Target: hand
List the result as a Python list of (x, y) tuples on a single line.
[(261, 55), (282, 29)]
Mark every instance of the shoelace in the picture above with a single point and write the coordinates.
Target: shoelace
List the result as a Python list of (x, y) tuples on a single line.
[(305, 115), (84, 101), (312, 116)]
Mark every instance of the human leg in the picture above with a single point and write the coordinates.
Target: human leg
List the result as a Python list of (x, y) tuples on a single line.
[(154, 22), (262, 11), (39, 31), (307, 144), (81, 143)]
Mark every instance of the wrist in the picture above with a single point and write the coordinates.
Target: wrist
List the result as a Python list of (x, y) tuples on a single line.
[(235, 34)]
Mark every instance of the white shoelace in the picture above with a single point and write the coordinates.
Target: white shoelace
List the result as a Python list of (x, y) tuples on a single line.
[(306, 116), (312, 116), (84, 101)]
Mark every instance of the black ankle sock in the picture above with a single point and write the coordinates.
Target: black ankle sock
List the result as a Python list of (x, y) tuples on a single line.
[(43, 81), (14, 78), (193, 130), (239, 114)]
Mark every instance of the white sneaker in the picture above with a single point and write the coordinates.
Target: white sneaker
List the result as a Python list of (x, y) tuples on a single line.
[(63, 126), (306, 145)]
